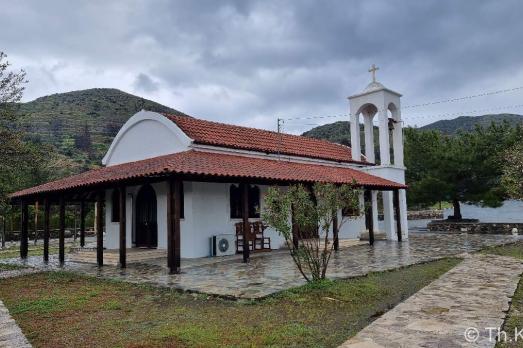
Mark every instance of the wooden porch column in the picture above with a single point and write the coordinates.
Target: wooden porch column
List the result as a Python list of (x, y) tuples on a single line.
[(123, 241), (335, 231), (396, 198), (61, 231), (174, 198), (47, 211), (4, 224), (368, 215), (245, 217), (24, 226), (36, 221), (295, 230), (99, 229), (82, 223)]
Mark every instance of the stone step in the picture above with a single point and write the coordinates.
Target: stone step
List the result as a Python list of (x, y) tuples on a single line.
[(113, 257), (377, 236)]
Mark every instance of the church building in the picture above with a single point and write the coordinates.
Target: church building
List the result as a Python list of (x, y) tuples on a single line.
[(195, 188)]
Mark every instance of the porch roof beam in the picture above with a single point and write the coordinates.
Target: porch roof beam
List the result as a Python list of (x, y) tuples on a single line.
[(88, 193)]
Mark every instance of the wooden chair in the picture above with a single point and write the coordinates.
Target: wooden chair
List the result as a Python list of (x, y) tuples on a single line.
[(255, 238), (239, 238), (260, 242)]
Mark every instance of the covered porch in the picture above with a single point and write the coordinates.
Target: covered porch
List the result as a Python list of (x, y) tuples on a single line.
[(173, 171)]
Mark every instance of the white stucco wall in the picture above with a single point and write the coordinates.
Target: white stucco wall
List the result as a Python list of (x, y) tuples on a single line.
[(112, 229), (352, 227), (145, 135), (210, 215), (206, 213)]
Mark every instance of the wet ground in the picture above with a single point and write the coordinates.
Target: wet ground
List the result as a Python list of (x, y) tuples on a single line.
[(275, 271)]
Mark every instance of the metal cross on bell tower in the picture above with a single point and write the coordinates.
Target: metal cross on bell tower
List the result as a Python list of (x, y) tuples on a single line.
[(373, 70)]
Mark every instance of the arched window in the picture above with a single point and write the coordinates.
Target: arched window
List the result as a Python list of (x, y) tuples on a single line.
[(235, 200), (115, 211)]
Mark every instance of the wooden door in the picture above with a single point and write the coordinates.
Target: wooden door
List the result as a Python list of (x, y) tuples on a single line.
[(146, 213)]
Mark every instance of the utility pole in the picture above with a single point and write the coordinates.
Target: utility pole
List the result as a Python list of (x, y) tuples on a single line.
[(280, 136)]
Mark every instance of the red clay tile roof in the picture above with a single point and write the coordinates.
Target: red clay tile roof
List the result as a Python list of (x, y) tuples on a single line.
[(245, 138), (201, 163)]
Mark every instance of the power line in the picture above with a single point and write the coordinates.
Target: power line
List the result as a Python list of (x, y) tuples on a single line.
[(452, 100), (461, 113), (313, 117), (443, 101)]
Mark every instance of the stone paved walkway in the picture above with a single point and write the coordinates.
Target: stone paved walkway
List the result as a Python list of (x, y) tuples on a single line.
[(476, 293), (10, 334), (275, 271)]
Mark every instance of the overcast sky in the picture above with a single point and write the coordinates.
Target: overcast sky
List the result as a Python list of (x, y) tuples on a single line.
[(249, 62)]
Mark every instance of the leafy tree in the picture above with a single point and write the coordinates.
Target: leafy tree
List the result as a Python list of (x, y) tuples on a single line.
[(12, 85), (423, 152), (512, 178), (13, 148), (460, 168), (22, 163), (309, 210)]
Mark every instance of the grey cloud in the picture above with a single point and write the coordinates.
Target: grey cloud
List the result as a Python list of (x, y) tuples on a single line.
[(235, 60), (144, 83)]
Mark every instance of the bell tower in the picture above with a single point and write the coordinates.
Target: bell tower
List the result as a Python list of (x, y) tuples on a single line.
[(377, 100), (379, 105)]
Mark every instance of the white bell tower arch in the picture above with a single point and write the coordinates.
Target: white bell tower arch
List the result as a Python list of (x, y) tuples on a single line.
[(383, 104), (377, 101)]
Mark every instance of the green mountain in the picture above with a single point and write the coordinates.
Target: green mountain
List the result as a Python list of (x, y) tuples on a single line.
[(81, 124), (468, 123), (339, 132)]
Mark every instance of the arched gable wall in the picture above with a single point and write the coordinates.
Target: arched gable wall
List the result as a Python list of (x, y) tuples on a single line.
[(145, 135)]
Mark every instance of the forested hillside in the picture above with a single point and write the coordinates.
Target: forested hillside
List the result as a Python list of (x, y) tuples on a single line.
[(339, 132), (80, 124), (468, 123)]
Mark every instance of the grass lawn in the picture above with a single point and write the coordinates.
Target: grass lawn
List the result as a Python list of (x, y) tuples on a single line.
[(515, 314), (64, 309), (33, 250), (513, 250)]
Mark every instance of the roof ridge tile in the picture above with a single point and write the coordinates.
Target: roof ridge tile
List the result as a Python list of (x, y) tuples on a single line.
[(255, 139)]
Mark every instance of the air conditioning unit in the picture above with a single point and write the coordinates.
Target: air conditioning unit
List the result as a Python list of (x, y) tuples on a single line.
[(223, 244)]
